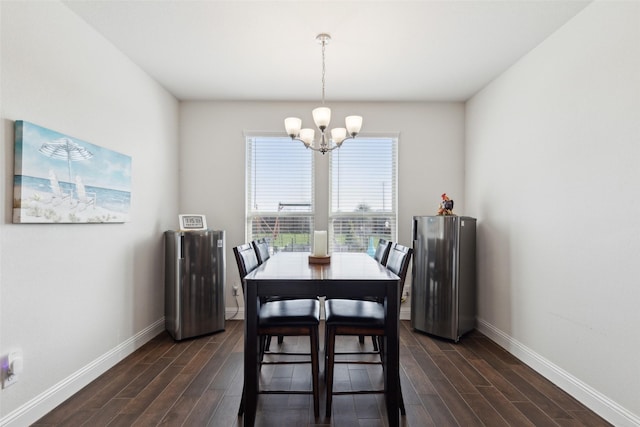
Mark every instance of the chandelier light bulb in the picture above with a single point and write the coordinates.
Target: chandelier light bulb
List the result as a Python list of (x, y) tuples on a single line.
[(354, 124), (321, 117), (338, 135), (307, 135), (292, 125)]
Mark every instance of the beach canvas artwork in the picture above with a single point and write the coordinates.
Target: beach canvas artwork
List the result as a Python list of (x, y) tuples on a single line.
[(62, 179)]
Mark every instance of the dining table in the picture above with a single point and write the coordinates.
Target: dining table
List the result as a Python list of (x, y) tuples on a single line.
[(346, 275)]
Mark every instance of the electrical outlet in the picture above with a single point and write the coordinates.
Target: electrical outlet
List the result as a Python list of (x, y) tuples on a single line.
[(235, 291), (9, 380), (405, 296), (11, 366)]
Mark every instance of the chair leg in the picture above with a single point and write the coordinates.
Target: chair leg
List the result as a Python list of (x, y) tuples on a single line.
[(326, 351), (331, 343), (361, 339), (315, 368), (241, 408), (374, 340), (403, 411), (268, 343), (313, 336), (262, 340)]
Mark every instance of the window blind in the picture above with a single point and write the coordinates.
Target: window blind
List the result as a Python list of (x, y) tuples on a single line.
[(279, 193), (363, 174)]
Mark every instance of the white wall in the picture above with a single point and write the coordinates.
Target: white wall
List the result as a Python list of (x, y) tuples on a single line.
[(553, 148), (212, 168), (78, 298)]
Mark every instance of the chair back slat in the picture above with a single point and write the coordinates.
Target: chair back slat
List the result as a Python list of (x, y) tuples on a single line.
[(398, 261), (382, 251), (261, 246), (246, 260)]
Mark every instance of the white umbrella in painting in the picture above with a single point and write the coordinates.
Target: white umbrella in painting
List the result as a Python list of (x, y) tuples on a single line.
[(65, 149)]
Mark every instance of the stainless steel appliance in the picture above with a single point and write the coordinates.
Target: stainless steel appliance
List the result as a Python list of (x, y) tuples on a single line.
[(194, 282), (443, 297)]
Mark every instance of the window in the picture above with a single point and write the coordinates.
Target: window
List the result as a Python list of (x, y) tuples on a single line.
[(363, 198), (279, 192)]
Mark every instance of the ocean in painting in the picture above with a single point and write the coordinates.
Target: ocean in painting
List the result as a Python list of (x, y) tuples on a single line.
[(40, 203), (106, 198)]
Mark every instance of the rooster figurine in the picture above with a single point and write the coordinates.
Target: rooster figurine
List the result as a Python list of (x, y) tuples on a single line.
[(446, 205)]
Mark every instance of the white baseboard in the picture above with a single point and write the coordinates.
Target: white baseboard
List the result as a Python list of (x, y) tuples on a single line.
[(234, 313), (39, 406), (594, 400)]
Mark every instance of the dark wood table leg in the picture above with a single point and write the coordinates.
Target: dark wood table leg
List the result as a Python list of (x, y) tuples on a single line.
[(392, 355), (250, 353)]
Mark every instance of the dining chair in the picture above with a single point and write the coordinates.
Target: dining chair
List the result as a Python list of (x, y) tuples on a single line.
[(299, 317), (362, 318), (261, 247), (381, 255)]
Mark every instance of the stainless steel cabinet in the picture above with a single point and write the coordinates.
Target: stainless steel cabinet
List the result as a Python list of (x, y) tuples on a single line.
[(443, 297), (194, 282)]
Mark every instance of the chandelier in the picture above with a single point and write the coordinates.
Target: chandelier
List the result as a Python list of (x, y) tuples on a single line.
[(322, 117)]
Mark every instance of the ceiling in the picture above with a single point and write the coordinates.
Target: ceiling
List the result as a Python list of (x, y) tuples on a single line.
[(385, 50)]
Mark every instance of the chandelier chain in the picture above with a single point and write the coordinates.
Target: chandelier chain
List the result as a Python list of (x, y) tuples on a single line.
[(323, 69)]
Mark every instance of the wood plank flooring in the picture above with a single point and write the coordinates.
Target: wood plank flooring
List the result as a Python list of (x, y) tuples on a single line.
[(198, 382)]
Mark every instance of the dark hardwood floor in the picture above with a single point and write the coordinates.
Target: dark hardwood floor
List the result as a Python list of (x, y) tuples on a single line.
[(198, 382)]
